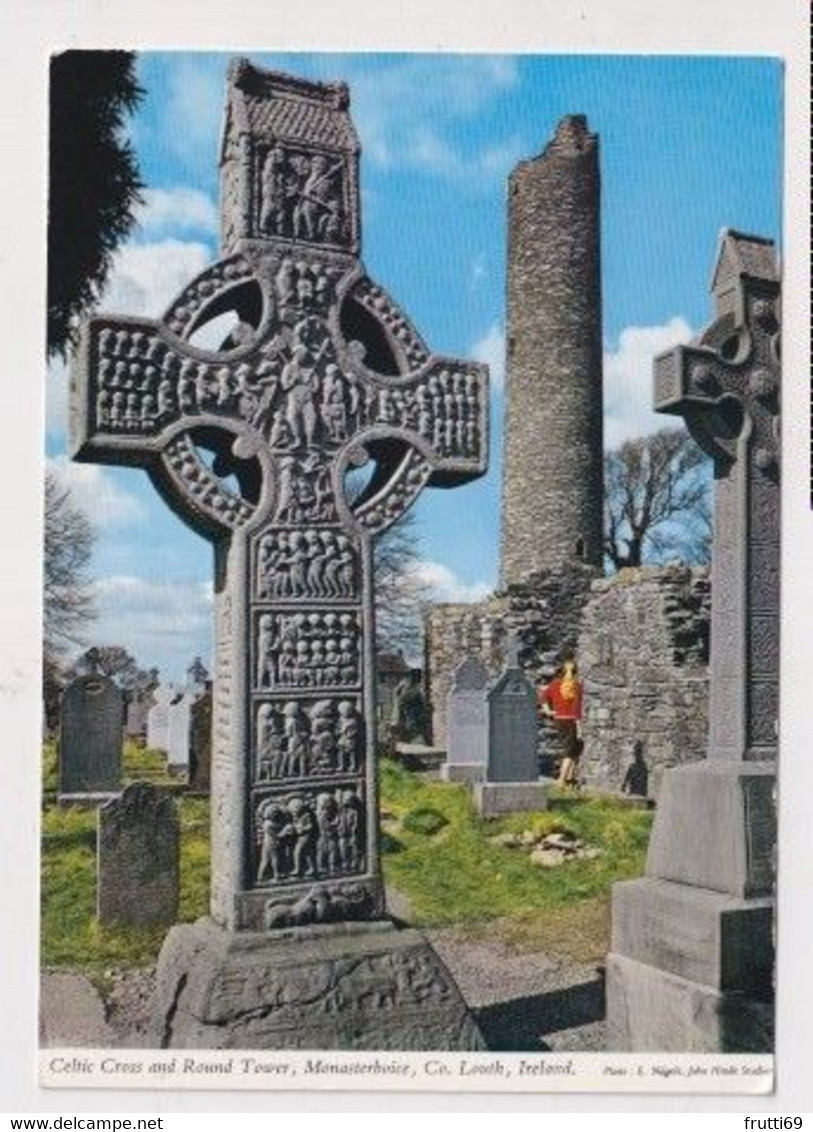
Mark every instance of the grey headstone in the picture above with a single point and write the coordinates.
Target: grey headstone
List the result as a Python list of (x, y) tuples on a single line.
[(138, 855), (138, 711), (90, 737), (467, 714), (512, 729), (158, 718)]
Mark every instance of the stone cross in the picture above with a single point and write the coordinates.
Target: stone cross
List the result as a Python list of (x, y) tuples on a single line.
[(250, 438), (726, 387)]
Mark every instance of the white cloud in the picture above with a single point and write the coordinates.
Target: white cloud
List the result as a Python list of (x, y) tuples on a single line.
[(176, 209), (628, 380), (491, 349), (95, 492), (147, 277), (444, 585), (163, 624)]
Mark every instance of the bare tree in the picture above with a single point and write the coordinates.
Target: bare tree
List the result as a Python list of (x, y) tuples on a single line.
[(657, 500), (400, 593), (68, 599)]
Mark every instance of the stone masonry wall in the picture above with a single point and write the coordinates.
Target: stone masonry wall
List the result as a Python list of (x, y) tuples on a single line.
[(543, 612), (643, 655), (641, 639)]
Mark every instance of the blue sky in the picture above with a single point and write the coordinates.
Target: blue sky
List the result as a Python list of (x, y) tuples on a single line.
[(688, 145)]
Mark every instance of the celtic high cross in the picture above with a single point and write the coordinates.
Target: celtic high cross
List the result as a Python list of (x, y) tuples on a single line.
[(250, 441), (726, 387)]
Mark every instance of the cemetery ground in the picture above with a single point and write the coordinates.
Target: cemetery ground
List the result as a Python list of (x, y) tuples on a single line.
[(525, 943)]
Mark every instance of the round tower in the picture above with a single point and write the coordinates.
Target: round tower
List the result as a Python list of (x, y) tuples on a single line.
[(552, 487)]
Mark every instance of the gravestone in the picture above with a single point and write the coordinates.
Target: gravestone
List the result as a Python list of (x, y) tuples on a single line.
[(138, 711), (200, 743), (90, 739), (178, 728), (512, 783), (467, 723), (158, 718), (691, 965), (138, 854), (251, 444)]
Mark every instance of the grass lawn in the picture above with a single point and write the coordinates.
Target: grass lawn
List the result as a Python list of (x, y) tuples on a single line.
[(435, 851), (454, 874)]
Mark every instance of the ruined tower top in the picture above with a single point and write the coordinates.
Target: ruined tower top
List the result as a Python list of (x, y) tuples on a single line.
[(552, 491)]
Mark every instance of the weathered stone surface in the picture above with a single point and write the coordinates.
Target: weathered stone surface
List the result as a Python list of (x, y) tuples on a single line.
[(468, 722), (495, 798), (553, 472), (137, 714), (138, 857), (90, 737), (375, 987), (321, 375), (714, 835), (731, 812), (653, 1011), (707, 937), (643, 658), (512, 728)]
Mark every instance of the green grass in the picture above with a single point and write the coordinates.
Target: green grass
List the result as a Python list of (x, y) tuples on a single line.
[(70, 934), (138, 764), (435, 851), (458, 876)]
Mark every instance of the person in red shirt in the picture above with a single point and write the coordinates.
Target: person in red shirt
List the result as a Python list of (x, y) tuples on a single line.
[(561, 701)]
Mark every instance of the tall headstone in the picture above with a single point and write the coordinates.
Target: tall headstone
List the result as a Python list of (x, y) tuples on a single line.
[(179, 730), (200, 743), (158, 718), (692, 942), (467, 716), (90, 739), (321, 374), (138, 711), (512, 782), (138, 858), (552, 482)]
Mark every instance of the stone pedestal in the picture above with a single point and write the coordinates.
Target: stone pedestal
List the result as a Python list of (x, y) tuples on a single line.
[(463, 772), (362, 986), (493, 799), (692, 952)]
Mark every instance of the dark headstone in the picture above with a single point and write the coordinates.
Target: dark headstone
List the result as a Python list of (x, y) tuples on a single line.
[(138, 855), (90, 737), (512, 729), (200, 743)]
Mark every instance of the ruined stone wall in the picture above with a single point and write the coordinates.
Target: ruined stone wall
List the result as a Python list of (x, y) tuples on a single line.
[(643, 655), (641, 639), (553, 472), (543, 612)]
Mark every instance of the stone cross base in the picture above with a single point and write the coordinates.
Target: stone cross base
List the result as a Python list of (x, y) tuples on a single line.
[(690, 967), (463, 772), (493, 799), (367, 987)]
